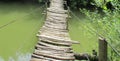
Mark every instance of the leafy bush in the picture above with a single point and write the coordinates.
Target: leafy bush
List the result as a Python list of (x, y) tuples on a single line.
[(103, 4), (107, 26), (92, 4)]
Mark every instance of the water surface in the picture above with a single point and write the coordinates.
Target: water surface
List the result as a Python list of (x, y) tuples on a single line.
[(17, 40)]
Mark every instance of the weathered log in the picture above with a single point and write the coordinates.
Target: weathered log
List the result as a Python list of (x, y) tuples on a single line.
[(57, 4), (57, 43), (55, 33), (55, 56), (57, 49), (53, 38), (54, 46), (57, 39), (53, 10), (57, 15), (54, 27), (56, 19), (54, 23), (37, 56), (43, 58), (53, 52), (85, 56)]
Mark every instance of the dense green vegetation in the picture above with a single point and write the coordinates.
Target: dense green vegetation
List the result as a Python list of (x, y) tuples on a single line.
[(99, 5), (95, 4), (107, 26)]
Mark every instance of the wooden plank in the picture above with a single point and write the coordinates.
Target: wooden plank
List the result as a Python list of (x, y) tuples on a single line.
[(57, 43), (57, 39), (57, 15), (59, 49), (54, 56), (54, 52), (56, 32), (37, 56), (61, 36), (55, 26), (53, 46), (53, 10), (56, 23), (57, 19)]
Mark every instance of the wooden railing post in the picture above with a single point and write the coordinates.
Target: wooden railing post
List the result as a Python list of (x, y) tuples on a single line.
[(102, 49)]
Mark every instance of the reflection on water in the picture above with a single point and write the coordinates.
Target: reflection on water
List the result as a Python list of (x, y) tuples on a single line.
[(1, 59), (19, 57)]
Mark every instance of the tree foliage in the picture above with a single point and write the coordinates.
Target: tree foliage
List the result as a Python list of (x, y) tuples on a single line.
[(93, 4)]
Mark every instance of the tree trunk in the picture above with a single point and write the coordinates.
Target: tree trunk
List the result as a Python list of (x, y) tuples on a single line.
[(54, 41)]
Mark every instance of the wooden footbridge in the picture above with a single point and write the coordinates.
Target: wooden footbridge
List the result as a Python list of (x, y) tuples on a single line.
[(54, 42)]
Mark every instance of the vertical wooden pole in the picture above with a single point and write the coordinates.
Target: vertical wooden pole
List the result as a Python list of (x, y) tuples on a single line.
[(102, 49)]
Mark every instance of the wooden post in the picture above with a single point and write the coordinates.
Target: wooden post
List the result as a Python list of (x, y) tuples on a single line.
[(102, 49)]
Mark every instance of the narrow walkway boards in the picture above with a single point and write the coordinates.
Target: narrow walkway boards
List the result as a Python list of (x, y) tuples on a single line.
[(54, 41)]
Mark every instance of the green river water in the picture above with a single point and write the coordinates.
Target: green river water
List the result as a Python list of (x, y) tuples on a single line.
[(17, 39)]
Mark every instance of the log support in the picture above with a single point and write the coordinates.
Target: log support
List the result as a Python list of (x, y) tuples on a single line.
[(85, 56)]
